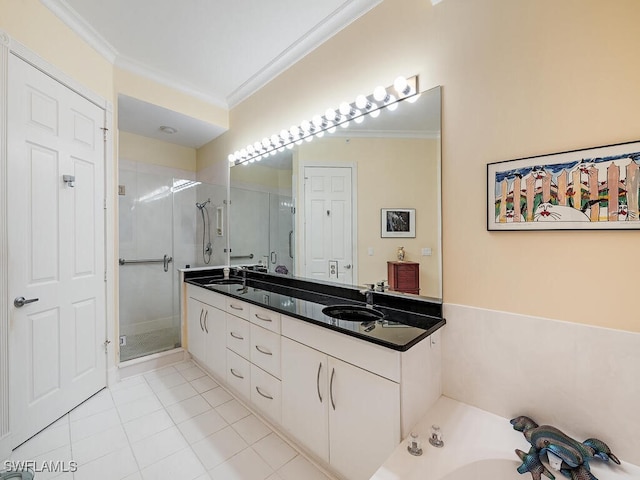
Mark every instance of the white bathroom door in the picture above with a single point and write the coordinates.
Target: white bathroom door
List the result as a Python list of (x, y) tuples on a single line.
[(328, 210), (56, 249)]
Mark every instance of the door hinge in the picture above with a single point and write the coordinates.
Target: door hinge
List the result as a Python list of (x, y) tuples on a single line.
[(104, 132)]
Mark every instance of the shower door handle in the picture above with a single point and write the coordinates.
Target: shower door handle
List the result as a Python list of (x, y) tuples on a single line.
[(166, 261), (273, 257)]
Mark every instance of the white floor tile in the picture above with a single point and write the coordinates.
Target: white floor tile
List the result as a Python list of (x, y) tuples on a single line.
[(127, 383), (176, 394), (183, 365), (129, 394), (183, 465), (53, 464), (115, 465), (147, 425), (100, 402), (192, 373), (203, 384), (246, 465), (138, 408), (251, 429), (275, 451), (275, 476), (188, 408), (49, 439), (218, 447), (87, 426), (232, 411), (135, 476), (166, 382), (299, 468), (217, 396), (160, 372), (202, 426), (99, 445), (156, 447)]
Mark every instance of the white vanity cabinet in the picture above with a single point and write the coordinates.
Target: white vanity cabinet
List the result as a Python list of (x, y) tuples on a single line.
[(346, 415), (206, 329)]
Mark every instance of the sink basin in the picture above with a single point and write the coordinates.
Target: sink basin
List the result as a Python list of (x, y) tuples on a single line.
[(225, 281), (353, 313)]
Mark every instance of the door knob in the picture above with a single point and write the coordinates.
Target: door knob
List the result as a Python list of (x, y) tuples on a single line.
[(347, 266), (21, 301)]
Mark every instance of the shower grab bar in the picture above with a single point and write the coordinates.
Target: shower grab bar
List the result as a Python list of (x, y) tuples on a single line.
[(236, 257), (165, 261)]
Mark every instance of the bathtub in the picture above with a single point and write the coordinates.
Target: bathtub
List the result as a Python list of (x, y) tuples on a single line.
[(478, 445)]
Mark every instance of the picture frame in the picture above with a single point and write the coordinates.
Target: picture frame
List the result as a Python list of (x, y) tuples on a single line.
[(567, 190), (398, 222)]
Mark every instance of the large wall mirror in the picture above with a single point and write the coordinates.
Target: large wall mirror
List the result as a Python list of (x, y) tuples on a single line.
[(326, 209)]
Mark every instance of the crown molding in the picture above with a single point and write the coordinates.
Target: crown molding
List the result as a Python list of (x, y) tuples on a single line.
[(75, 22), (332, 24)]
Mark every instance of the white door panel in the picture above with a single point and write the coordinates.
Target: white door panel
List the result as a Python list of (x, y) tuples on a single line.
[(56, 249), (328, 223)]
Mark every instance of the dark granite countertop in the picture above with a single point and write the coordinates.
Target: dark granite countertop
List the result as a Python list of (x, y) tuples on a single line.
[(399, 329)]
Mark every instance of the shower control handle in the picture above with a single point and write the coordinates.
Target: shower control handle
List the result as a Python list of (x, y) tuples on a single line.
[(21, 301)]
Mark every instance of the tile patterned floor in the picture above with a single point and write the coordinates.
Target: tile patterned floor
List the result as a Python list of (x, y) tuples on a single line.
[(175, 422)]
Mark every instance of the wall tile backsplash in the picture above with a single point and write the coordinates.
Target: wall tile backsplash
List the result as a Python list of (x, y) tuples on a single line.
[(582, 379)]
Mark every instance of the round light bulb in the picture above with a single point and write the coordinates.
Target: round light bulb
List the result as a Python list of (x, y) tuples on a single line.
[(243, 153), (320, 134), (414, 98), (237, 154), (375, 113), (361, 102), (266, 143), (306, 126), (294, 131), (345, 108), (284, 135), (401, 86), (290, 146), (380, 93), (275, 140), (358, 118), (308, 138), (232, 158), (317, 121), (250, 149), (330, 114), (332, 129), (258, 158), (392, 103)]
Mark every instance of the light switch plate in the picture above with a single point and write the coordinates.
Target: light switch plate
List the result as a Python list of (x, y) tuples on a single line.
[(426, 252)]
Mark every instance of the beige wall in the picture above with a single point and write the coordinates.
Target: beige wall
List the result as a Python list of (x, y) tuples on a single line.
[(137, 148), (519, 78)]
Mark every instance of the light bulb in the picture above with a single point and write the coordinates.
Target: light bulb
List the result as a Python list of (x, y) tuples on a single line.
[(320, 134), (317, 121), (273, 152), (362, 102), (358, 118), (290, 146), (237, 154), (414, 98), (284, 135), (380, 94), (250, 149), (281, 149), (375, 113), (332, 129), (294, 131), (243, 153), (266, 143), (258, 158), (401, 86), (345, 108), (393, 104), (232, 158), (306, 126), (330, 115)]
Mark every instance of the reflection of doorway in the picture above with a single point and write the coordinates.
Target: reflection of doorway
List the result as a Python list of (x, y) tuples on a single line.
[(329, 233)]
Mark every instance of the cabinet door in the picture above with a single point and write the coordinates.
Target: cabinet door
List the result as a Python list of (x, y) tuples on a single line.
[(364, 419), (304, 396), (195, 329), (215, 326)]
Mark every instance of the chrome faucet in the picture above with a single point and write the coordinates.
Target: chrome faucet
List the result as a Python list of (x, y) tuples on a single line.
[(368, 294), (381, 287)]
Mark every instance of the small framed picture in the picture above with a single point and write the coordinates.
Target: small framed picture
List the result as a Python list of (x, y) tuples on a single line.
[(398, 222)]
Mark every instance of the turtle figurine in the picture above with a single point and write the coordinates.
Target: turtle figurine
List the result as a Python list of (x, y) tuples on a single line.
[(573, 455)]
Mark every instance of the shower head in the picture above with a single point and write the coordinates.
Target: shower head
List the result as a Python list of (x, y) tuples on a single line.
[(203, 204)]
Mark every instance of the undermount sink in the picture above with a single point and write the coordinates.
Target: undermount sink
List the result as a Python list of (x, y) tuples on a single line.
[(225, 281), (353, 313)]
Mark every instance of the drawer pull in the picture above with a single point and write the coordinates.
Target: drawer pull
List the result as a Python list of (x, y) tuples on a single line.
[(235, 307), (237, 375), (261, 350), (264, 319), (201, 313), (235, 335), (263, 394), (206, 316)]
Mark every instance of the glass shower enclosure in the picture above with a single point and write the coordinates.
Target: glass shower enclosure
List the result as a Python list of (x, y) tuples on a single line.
[(161, 230)]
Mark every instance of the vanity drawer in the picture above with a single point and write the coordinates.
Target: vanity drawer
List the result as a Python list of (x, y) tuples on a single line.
[(238, 308), (265, 350), (239, 374), (265, 318), (238, 334), (266, 393)]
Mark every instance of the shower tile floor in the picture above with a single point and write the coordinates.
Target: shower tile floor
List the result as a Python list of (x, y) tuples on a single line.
[(175, 422), (142, 344)]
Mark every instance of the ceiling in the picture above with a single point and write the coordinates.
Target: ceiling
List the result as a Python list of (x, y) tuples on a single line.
[(220, 51)]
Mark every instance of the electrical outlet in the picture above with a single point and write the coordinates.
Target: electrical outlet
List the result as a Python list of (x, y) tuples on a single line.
[(426, 252)]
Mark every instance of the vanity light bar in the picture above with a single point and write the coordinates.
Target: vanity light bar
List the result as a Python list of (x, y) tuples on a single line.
[(380, 98)]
